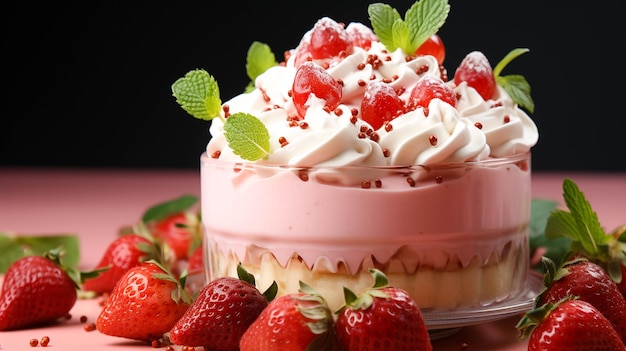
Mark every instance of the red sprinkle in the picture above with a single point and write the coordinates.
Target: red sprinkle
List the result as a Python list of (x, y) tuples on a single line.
[(433, 140), (411, 181), (45, 340)]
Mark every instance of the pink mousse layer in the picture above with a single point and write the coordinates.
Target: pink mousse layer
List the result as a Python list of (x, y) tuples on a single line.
[(449, 219)]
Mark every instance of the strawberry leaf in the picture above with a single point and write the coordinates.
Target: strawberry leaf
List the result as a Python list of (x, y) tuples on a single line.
[(164, 209), (259, 59), (247, 136), (14, 247), (198, 94)]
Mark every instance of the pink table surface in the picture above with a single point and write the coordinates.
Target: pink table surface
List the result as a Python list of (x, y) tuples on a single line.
[(95, 203)]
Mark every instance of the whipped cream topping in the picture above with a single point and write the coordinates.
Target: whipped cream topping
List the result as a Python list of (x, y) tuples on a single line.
[(473, 130)]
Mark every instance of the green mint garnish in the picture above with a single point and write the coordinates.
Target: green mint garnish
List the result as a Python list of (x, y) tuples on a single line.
[(247, 136), (260, 57), (580, 223), (198, 94), (515, 85), (422, 20)]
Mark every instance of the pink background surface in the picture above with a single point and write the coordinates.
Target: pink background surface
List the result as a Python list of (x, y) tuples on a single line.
[(94, 204)]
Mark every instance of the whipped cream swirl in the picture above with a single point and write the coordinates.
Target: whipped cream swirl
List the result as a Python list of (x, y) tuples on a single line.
[(473, 130)]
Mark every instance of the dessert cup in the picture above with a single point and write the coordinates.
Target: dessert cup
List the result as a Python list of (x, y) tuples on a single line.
[(455, 236)]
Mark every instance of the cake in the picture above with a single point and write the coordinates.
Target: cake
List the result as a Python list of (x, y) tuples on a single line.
[(358, 151)]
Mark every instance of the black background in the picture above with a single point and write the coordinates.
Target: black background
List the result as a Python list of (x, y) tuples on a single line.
[(88, 85)]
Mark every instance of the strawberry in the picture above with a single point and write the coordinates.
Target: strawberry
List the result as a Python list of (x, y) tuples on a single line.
[(588, 238), (37, 290), (380, 104), (568, 324), (618, 244), (310, 79), (180, 231), (428, 88), (590, 283), (196, 279), (196, 260), (296, 321), (475, 69), (327, 39), (122, 254), (381, 318), (362, 35), (146, 302), (433, 46), (221, 313)]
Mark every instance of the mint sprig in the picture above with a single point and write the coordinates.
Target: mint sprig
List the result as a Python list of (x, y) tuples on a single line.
[(422, 19), (580, 223), (589, 239), (198, 93), (259, 59), (515, 85)]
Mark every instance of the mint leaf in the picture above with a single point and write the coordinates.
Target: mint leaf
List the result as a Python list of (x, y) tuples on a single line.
[(247, 136), (198, 94), (518, 89), (383, 17), (515, 85), (401, 35), (15, 246), (422, 19), (259, 59), (580, 223), (164, 209)]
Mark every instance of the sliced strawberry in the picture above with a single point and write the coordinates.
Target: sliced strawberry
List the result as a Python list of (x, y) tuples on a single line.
[(380, 104), (428, 88), (433, 46), (475, 69), (310, 79)]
